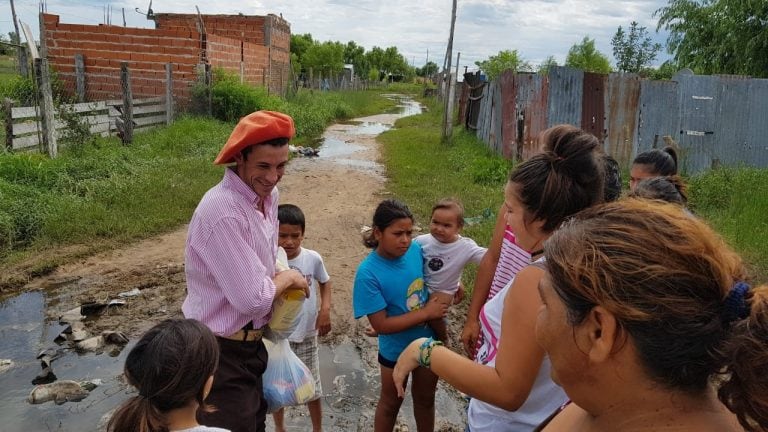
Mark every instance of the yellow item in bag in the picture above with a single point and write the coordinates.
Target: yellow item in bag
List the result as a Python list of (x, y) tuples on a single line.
[(286, 307)]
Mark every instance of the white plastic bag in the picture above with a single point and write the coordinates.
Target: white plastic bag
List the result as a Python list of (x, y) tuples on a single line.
[(287, 381)]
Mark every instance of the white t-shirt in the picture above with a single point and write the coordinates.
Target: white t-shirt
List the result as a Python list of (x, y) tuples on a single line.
[(444, 262), (310, 264), (201, 428), (545, 396)]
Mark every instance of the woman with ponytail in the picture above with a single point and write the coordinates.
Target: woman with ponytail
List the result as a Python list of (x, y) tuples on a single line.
[(653, 163), (509, 380), (651, 324), (172, 368)]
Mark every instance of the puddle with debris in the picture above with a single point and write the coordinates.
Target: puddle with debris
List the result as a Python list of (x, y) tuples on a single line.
[(24, 333), (341, 151)]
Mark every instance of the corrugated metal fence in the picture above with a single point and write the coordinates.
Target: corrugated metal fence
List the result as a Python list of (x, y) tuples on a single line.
[(716, 120)]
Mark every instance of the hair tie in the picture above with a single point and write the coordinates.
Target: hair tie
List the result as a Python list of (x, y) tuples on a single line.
[(735, 306), (365, 230)]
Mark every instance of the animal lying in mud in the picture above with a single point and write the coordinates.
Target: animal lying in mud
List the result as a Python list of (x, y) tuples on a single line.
[(61, 391)]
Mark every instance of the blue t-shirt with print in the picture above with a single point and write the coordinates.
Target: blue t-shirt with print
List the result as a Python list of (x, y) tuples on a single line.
[(396, 286)]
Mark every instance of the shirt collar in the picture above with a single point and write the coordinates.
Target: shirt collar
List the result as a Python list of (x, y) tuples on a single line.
[(234, 182)]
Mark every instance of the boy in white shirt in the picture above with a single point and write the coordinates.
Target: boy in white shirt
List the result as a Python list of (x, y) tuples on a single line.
[(303, 340), (445, 254)]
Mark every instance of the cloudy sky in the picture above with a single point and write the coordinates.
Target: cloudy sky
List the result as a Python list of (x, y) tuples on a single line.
[(536, 28)]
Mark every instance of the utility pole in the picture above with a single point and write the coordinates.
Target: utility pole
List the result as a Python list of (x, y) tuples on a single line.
[(21, 54), (447, 127)]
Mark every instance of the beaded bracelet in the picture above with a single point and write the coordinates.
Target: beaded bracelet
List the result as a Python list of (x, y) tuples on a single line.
[(425, 351)]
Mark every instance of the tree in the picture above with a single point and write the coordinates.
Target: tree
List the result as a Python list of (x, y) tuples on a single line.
[(548, 63), (635, 50), (718, 36), (505, 59), (326, 57), (663, 72), (299, 46), (585, 56), (354, 54), (428, 69)]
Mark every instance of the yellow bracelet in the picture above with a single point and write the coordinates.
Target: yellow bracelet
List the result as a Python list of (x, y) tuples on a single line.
[(425, 352)]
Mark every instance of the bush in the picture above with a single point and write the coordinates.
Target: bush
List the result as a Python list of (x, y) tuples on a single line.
[(20, 90)]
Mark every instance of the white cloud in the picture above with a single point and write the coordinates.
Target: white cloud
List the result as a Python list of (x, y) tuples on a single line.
[(536, 28)]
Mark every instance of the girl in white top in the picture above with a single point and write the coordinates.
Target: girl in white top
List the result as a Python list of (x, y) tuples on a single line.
[(510, 383), (172, 367)]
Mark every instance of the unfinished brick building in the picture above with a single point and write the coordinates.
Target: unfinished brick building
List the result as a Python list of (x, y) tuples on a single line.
[(256, 48)]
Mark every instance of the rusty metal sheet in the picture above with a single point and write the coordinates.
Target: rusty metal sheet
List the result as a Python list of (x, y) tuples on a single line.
[(731, 143), (508, 115), (496, 125), (531, 110), (593, 104), (484, 116), (476, 85), (658, 115), (621, 102), (698, 110), (565, 96)]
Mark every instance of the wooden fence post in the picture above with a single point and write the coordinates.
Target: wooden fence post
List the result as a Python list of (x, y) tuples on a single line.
[(80, 77), (8, 108), (168, 93), (46, 108), (125, 124), (209, 86)]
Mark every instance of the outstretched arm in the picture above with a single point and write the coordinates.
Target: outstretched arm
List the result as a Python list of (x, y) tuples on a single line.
[(509, 382), (482, 287)]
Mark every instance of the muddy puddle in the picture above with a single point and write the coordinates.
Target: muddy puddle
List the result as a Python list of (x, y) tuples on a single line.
[(29, 321)]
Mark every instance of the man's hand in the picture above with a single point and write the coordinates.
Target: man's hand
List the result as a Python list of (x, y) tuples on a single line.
[(290, 279), (323, 323)]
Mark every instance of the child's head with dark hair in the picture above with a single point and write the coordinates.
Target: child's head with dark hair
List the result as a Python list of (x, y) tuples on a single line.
[(612, 186), (653, 163), (291, 230), (447, 220), (291, 215), (388, 213), (172, 367), (670, 189)]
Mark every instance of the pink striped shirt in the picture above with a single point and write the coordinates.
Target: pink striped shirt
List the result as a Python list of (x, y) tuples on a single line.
[(511, 260), (230, 257)]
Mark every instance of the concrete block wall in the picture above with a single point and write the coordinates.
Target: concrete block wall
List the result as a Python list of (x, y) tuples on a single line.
[(265, 43), (280, 54), (104, 48)]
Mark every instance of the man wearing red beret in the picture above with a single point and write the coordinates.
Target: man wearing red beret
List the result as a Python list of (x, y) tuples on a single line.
[(230, 266)]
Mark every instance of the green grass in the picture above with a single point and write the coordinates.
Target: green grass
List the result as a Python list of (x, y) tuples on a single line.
[(422, 170), (735, 202), (101, 193)]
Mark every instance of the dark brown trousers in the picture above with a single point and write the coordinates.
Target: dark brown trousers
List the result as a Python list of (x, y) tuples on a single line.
[(237, 393)]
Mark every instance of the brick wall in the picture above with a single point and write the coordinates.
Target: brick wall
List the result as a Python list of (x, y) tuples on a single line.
[(104, 48), (280, 53), (228, 54), (247, 28), (261, 37)]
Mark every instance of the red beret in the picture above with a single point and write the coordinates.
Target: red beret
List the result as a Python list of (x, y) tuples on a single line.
[(255, 128)]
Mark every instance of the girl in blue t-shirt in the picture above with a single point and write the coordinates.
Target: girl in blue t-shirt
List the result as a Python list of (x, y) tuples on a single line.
[(389, 288)]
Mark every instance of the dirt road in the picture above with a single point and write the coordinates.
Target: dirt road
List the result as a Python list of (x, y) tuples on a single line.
[(337, 192)]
